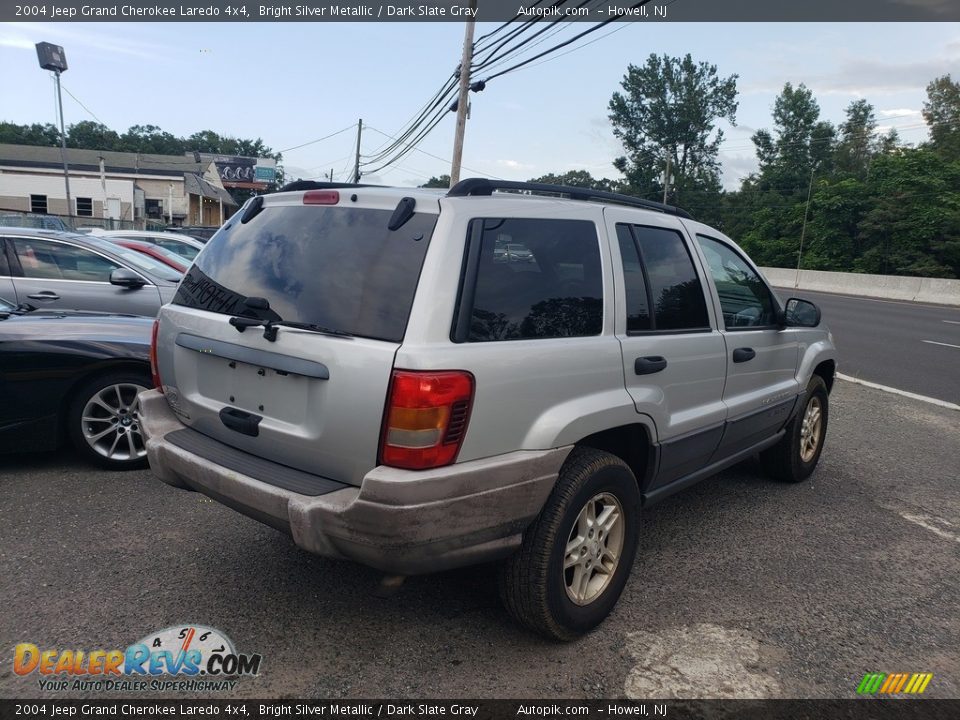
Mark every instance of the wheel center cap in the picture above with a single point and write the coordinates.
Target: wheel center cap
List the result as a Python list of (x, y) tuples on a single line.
[(125, 421), (593, 548)]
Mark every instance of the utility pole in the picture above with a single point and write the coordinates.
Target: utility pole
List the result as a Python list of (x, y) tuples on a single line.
[(330, 176), (463, 98), (356, 167), (666, 179), (803, 231)]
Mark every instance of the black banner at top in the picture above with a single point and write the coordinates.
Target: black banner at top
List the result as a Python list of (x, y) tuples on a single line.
[(482, 10)]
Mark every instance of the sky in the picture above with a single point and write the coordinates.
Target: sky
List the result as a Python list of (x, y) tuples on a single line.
[(293, 83)]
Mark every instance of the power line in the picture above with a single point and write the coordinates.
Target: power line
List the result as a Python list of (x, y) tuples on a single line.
[(435, 157), (513, 35), (548, 51), (77, 100), (325, 137), (412, 145), (580, 47), (555, 27), (437, 108), (497, 30)]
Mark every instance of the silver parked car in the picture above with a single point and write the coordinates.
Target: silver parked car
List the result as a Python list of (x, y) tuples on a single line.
[(362, 369), (67, 271)]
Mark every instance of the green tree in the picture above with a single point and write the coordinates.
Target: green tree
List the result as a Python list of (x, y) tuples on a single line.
[(437, 182), (578, 178), (857, 143), (92, 135), (799, 142), (913, 224), (670, 106), (150, 139), (205, 141), (942, 113), (45, 134)]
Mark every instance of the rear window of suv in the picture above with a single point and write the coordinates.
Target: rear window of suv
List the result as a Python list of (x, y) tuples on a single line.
[(339, 267)]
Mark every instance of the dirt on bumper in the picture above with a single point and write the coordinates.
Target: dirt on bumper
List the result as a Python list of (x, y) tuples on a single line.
[(399, 521)]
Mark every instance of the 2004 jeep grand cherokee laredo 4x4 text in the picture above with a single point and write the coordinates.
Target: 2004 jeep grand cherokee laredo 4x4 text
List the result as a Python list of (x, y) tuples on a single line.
[(380, 374)]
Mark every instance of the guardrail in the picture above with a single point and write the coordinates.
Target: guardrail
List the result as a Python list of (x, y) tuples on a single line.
[(940, 291)]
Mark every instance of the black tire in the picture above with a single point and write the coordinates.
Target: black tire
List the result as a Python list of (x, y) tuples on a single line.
[(784, 461), (533, 582), (75, 424)]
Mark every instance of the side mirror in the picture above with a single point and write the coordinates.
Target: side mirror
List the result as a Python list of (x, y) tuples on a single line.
[(124, 277), (801, 313)]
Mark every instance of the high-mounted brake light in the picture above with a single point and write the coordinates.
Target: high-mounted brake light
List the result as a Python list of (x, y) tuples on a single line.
[(321, 197), (154, 369), (426, 418)]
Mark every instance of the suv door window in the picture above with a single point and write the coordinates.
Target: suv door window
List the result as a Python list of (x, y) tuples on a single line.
[(659, 273), (744, 297), (535, 278), (43, 259)]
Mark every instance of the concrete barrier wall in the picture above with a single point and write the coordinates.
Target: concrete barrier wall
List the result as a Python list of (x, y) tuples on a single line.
[(892, 287)]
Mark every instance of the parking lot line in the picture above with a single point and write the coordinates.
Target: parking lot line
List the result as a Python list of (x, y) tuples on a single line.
[(934, 342), (928, 522), (896, 391)]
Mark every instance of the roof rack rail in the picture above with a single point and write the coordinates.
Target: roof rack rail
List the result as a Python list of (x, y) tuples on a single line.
[(320, 185), (483, 186)]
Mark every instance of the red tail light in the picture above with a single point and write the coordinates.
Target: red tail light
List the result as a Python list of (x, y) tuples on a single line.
[(321, 197), (426, 418), (154, 370)]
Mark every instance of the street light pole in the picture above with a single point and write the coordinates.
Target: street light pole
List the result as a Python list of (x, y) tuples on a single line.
[(63, 146), (52, 57)]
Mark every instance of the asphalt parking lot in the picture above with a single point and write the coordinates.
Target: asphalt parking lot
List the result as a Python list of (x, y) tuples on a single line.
[(742, 588)]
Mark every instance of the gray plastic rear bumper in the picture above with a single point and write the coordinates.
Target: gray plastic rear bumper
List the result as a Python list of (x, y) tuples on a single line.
[(399, 521)]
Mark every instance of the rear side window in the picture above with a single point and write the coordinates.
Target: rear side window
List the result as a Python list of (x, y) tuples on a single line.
[(659, 274), (339, 267), (535, 278)]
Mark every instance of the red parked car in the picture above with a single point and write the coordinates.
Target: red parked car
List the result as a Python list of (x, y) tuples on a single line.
[(167, 257)]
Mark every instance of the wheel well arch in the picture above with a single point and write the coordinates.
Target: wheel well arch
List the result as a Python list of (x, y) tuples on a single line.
[(632, 444), (827, 370), (90, 372)]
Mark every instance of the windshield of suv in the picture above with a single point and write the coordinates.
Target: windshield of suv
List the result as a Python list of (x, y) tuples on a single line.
[(339, 267)]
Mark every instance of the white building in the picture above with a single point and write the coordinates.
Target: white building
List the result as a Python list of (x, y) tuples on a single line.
[(128, 188)]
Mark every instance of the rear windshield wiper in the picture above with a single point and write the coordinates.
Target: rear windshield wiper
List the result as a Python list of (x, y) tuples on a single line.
[(270, 327)]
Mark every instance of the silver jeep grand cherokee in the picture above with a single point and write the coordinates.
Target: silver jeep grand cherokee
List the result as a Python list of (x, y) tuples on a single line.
[(368, 370)]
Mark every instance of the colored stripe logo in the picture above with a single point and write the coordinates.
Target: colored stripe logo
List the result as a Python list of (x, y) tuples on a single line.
[(894, 683)]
